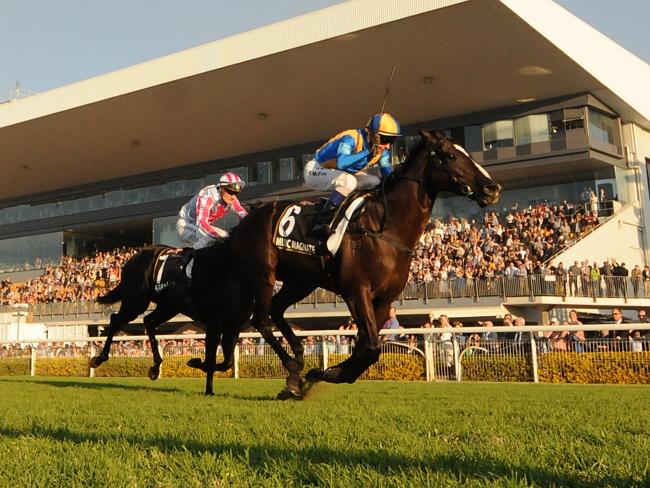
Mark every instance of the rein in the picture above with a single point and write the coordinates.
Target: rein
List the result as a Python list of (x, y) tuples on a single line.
[(379, 234), (465, 190)]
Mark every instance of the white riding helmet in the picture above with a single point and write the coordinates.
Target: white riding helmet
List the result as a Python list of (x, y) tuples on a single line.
[(231, 181)]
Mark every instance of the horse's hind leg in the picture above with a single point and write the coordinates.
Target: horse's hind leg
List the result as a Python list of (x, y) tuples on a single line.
[(287, 296), (129, 310), (151, 322), (261, 322)]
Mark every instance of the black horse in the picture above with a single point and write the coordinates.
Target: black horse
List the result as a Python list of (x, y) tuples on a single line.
[(204, 300), (371, 267)]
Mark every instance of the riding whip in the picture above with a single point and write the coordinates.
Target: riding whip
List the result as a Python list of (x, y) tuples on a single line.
[(383, 105)]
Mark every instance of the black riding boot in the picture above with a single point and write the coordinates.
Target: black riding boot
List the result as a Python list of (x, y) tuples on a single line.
[(321, 229)]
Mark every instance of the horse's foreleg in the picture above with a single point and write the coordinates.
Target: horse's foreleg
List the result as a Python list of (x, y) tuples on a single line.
[(367, 349)]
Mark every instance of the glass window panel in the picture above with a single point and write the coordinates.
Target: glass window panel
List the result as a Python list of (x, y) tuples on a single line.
[(473, 137), (164, 232), (285, 169), (31, 252), (260, 173), (601, 126), (531, 129), (498, 134)]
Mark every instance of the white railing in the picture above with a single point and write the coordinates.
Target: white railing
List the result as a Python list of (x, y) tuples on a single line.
[(15, 93), (437, 357)]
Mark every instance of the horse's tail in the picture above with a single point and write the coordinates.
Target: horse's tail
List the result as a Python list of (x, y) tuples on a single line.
[(113, 296)]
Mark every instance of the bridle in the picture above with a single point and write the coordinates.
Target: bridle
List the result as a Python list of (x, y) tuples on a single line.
[(465, 189)]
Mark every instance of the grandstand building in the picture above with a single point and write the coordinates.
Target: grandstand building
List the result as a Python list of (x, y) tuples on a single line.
[(550, 106)]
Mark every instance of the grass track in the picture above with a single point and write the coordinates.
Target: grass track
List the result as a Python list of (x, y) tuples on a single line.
[(133, 432)]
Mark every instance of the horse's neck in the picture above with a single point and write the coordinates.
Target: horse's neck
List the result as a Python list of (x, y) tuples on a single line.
[(409, 205)]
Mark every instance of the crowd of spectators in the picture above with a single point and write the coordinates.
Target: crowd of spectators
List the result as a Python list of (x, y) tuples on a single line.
[(72, 280), (513, 242), (516, 242)]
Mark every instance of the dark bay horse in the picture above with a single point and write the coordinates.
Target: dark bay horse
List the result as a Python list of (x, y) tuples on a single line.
[(372, 264), (204, 301)]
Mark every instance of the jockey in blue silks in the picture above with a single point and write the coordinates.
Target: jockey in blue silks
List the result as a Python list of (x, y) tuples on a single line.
[(339, 165)]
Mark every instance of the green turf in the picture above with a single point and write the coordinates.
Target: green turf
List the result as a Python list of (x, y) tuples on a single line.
[(134, 432)]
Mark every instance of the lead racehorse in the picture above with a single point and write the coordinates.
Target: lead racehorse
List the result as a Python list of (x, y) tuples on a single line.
[(372, 264)]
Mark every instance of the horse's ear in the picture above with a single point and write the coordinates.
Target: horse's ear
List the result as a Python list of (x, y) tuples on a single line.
[(433, 137)]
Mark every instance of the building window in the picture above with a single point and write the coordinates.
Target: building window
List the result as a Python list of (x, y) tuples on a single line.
[(260, 173), (472, 138), (601, 126), (531, 129), (31, 252), (286, 169), (498, 134)]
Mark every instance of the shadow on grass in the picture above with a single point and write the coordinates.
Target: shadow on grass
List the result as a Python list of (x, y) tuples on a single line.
[(468, 468), (108, 385), (89, 385)]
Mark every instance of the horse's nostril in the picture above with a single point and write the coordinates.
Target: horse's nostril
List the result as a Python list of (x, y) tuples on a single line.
[(491, 189)]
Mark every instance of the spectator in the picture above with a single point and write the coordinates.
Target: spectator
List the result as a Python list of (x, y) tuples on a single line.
[(636, 341), (574, 273), (576, 338), (446, 346), (391, 323), (646, 281), (558, 339), (637, 278)]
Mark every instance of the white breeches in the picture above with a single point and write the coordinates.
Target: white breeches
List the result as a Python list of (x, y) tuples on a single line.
[(326, 179), (191, 233)]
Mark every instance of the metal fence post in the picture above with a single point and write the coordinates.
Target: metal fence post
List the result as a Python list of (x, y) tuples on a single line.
[(428, 358), (454, 341), (93, 353), (235, 368), (324, 353), (533, 356), (161, 367), (32, 363)]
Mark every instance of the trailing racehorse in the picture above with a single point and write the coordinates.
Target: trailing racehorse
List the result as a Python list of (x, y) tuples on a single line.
[(143, 281), (372, 264)]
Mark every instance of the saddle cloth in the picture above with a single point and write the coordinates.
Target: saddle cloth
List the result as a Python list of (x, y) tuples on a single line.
[(292, 230), (169, 268)]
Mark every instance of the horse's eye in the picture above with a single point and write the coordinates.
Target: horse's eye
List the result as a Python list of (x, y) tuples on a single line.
[(451, 157)]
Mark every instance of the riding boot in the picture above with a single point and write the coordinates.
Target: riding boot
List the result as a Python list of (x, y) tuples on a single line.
[(321, 229)]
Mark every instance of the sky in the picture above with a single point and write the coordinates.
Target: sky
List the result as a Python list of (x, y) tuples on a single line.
[(50, 43)]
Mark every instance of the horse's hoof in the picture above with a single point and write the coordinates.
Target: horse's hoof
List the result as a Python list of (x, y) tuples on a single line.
[(314, 375), (287, 394), (196, 363), (154, 373)]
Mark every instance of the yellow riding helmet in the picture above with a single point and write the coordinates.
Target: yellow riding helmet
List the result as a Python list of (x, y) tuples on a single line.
[(385, 125)]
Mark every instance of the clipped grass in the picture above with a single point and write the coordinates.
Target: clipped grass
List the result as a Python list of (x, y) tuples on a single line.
[(133, 432)]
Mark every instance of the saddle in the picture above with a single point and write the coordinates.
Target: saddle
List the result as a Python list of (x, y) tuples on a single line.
[(169, 268), (293, 229)]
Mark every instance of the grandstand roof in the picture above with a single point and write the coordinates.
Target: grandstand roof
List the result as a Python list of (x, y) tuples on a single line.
[(306, 78)]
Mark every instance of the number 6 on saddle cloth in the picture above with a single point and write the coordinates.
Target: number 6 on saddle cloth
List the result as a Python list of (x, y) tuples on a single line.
[(292, 232)]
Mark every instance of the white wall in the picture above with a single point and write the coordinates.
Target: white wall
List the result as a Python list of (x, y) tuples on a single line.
[(620, 238)]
